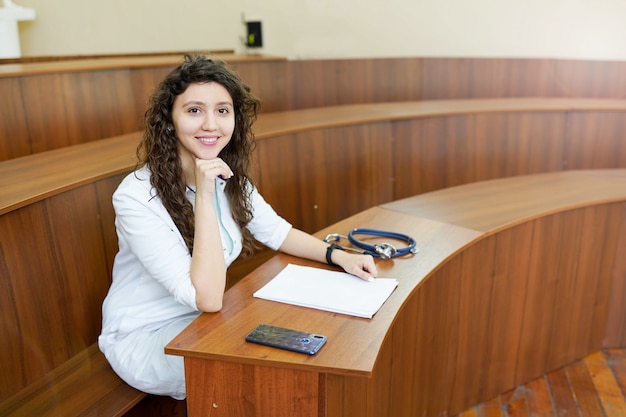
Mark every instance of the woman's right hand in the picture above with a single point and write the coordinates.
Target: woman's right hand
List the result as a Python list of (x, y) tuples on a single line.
[(207, 170)]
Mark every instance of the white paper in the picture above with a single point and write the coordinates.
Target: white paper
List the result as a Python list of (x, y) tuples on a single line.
[(338, 292)]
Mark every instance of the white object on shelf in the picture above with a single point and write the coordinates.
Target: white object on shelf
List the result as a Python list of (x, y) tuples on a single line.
[(10, 14)]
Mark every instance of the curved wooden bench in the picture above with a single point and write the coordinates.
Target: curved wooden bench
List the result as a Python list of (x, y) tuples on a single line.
[(391, 150), (515, 277), (57, 248), (84, 385)]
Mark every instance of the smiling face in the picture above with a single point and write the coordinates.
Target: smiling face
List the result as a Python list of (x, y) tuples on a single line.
[(204, 121)]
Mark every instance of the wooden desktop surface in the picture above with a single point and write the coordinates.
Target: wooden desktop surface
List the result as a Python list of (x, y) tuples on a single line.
[(444, 223), (101, 64), (353, 343)]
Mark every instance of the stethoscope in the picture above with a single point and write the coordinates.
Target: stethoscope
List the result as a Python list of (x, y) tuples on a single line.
[(382, 250)]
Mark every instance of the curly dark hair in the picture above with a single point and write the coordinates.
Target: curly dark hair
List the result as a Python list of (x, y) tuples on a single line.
[(159, 145)]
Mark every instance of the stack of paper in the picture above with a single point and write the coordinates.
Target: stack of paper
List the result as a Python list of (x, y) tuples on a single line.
[(338, 292)]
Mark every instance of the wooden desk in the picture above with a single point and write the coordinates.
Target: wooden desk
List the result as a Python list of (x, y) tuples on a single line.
[(515, 277)]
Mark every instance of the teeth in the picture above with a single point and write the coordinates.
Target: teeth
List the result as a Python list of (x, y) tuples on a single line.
[(207, 140)]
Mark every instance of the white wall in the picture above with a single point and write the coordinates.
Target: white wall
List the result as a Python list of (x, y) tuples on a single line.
[(89, 27), (586, 29), (579, 29)]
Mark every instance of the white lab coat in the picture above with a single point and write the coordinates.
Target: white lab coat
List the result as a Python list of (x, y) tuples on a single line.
[(151, 298)]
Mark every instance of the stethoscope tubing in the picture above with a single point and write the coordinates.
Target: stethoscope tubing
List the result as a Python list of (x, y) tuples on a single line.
[(381, 250)]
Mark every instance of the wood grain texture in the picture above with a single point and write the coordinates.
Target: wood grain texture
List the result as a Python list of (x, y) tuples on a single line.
[(321, 83), (591, 386), (316, 178), (16, 141), (616, 327), (609, 147), (56, 276), (83, 385), (283, 392)]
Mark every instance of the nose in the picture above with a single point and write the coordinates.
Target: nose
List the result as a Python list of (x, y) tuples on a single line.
[(210, 122)]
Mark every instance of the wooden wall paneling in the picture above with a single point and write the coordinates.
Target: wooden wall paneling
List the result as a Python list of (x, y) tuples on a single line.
[(571, 317), (437, 324), (14, 138), (313, 83), (569, 281), (275, 173), (476, 296), (380, 399), (104, 193), (394, 368), (76, 231), (602, 228), (616, 321), (9, 325), (506, 315), (517, 143), (99, 104), (318, 177), (76, 107), (438, 152), (446, 78), (578, 78), (46, 116), (223, 399), (318, 83), (55, 273), (143, 82), (395, 79), (268, 81), (354, 81), (595, 140), (37, 319), (432, 153), (542, 279), (501, 77), (347, 396)]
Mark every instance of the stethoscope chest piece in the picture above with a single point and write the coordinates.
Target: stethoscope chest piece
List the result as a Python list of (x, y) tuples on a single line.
[(385, 250)]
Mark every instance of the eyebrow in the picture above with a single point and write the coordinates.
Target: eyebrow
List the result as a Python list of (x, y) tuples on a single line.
[(202, 103)]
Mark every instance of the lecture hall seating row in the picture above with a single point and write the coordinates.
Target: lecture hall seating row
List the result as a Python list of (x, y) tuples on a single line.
[(316, 166), (47, 105)]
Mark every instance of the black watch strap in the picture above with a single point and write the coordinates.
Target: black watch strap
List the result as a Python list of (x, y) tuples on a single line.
[(329, 253)]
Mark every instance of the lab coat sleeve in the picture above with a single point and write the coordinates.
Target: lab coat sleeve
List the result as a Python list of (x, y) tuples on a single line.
[(266, 225), (151, 237)]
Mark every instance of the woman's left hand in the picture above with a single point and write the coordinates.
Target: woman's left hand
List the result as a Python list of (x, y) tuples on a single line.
[(362, 266)]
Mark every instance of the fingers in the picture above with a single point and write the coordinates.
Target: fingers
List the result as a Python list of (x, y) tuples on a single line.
[(213, 168), (361, 266)]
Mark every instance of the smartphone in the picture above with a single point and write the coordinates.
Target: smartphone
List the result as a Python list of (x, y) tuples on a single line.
[(289, 339)]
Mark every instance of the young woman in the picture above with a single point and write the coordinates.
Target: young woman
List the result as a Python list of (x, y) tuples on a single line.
[(183, 216)]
